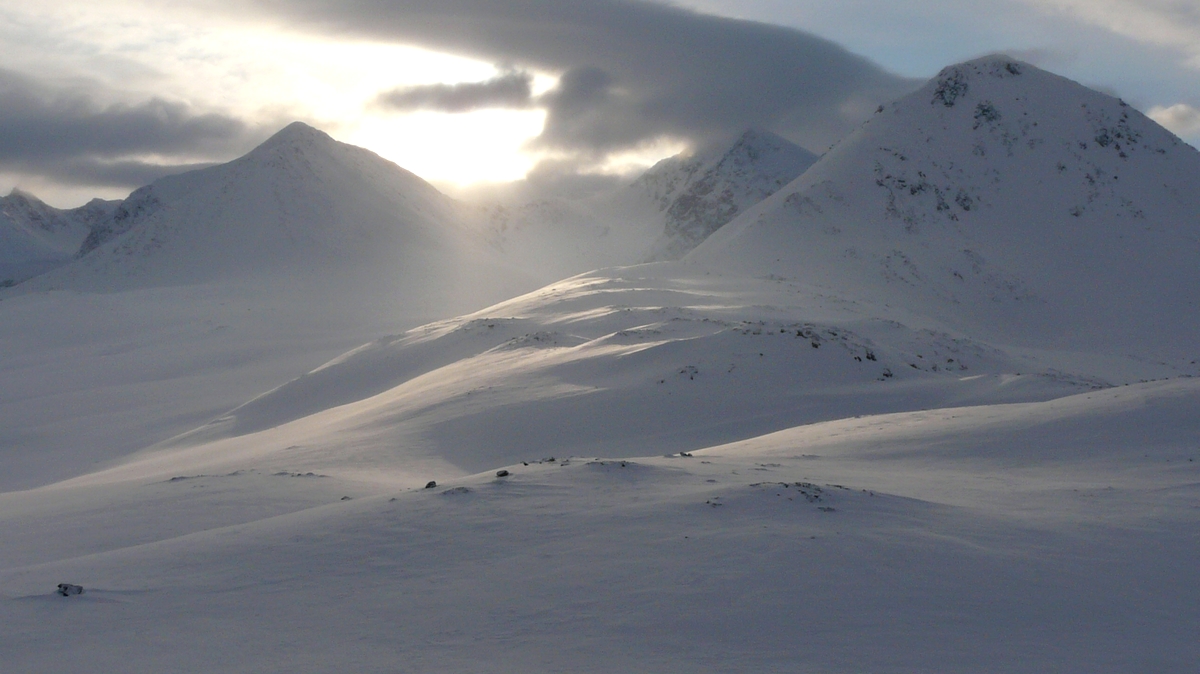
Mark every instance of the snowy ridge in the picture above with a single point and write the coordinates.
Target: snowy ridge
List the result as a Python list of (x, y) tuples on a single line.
[(629, 359)]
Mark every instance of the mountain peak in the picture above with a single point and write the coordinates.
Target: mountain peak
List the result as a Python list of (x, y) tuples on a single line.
[(19, 195), (997, 192), (710, 190), (296, 133)]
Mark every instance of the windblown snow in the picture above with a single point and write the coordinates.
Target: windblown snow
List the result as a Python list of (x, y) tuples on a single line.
[(928, 404)]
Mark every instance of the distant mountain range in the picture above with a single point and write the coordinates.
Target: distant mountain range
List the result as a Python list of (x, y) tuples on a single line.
[(302, 198), (998, 198), (36, 237)]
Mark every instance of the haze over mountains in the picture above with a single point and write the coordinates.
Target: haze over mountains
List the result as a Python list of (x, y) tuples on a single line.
[(663, 214), (926, 403)]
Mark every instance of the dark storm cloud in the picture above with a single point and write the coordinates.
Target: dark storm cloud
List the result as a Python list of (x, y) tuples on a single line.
[(509, 90), (65, 135), (122, 173), (633, 70)]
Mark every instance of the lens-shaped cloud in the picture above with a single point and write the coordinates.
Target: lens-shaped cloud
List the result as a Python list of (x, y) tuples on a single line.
[(508, 90), (631, 70)]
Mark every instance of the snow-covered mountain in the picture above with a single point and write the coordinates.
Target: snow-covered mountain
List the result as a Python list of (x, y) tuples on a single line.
[(35, 236), (206, 288), (1004, 200), (940, 254), (661, 215), (885, 397), (301, 208), (699, 194)]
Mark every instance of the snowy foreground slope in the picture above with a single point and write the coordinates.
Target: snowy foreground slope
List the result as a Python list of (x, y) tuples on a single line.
[(757, 459), (297, 534), (1052, 536)]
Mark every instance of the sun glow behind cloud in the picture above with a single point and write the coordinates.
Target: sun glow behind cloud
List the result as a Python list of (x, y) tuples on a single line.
[(479, 146), (269, 76)]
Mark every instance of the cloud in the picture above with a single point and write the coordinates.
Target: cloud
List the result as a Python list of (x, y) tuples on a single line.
[(64, 134), (631, 70), (1181, 119), (511, 89), (1169, 23)]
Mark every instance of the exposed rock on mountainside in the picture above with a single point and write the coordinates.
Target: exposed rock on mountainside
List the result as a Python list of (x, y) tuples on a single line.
[(697, 195)]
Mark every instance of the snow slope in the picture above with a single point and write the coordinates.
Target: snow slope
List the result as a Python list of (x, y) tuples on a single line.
[(1006, 201), (622, 363), (35, 236), (1012, 538)]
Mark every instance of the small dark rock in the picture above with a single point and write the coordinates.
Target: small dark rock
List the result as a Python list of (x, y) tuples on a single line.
[(67, 589), (502, 473), (345, 498), (431, 484)]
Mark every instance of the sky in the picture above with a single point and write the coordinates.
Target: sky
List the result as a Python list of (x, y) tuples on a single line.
[(99, 98)]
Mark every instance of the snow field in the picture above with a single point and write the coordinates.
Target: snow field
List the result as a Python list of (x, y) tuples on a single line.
[(937, 542)]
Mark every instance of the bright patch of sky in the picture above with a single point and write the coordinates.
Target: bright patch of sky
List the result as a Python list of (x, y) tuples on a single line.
[(270, 76)]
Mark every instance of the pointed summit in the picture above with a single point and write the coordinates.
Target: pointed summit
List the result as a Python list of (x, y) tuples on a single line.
[(700, 194), (296, 134), (300, 205)]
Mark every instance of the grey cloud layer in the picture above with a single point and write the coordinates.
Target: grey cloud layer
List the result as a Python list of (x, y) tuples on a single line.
[(66, 136), (509, 90), (634, 70)]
